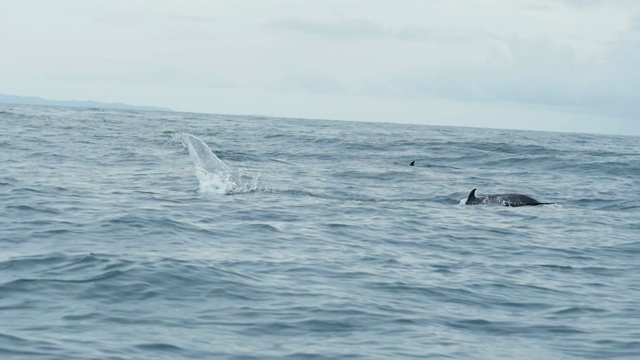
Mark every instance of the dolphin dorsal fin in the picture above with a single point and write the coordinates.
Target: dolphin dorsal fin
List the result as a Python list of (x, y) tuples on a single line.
[(413, 163), (472, 196)]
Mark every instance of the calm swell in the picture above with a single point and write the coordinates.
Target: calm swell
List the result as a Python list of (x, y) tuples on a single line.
[(138, 235)]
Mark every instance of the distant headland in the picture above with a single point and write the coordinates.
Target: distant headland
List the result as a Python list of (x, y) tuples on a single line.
[(34, 100)]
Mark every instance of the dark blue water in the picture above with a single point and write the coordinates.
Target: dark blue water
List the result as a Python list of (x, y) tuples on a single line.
[(141, 235)]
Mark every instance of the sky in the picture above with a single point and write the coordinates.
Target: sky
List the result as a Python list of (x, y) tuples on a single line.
[(563, 65)]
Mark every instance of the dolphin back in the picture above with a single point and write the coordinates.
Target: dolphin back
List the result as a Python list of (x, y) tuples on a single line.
[(510, 200)]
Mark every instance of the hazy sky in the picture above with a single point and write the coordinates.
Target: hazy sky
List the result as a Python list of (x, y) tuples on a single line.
[(570, 65)]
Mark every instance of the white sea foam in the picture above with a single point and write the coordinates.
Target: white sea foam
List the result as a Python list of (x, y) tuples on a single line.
[(214, 176)]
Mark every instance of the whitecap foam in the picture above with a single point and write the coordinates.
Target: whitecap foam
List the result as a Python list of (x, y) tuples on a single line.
[(214, 176)]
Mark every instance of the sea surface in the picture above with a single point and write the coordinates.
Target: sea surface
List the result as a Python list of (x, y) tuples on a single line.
[(159, 235)]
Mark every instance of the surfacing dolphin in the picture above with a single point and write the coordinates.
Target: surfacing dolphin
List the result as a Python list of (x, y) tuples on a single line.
[(413, 163), (511, 200)]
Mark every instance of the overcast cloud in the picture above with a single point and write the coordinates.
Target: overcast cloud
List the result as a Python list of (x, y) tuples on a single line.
[(546, 65)]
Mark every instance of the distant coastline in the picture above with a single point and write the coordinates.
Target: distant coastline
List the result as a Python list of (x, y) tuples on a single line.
[(34, 100)]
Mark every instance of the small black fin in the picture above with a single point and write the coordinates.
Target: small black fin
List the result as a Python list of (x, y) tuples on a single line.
[(413, 163), (471, 197)]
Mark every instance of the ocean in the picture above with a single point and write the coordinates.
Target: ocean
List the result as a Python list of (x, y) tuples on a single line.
[(161, 235)]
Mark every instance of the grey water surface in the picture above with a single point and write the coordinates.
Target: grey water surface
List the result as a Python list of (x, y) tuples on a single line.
[(151, 235)]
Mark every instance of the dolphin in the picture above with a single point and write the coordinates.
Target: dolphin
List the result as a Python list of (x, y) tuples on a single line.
[(413, 163), (511, 200)]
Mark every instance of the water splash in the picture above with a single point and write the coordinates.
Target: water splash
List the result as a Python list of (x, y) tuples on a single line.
[(214, 176)]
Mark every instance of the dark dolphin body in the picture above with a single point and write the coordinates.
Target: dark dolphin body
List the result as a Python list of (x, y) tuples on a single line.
[(413, 163), (511, 200)]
